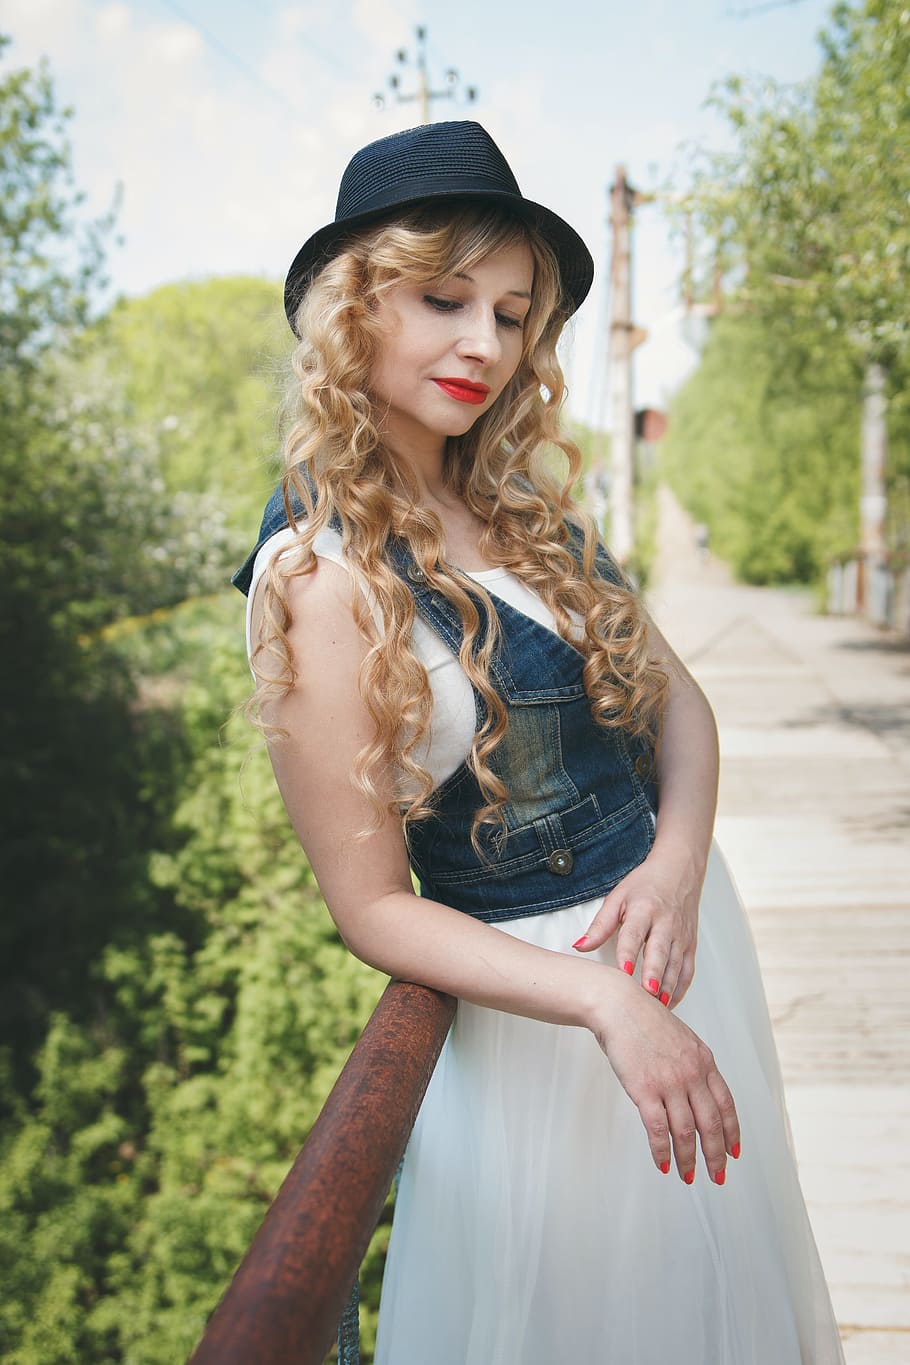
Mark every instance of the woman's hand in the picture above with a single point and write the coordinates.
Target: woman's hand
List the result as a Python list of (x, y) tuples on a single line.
[(671, 1077), (655, 911)]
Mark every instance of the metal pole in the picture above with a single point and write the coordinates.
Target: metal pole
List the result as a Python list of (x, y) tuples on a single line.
[(873, 501), (622, 433), (873, 504)]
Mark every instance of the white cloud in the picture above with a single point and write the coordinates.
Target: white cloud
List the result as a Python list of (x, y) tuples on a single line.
[(222, 171), (385, 24), (176, 43), (40, 26), (113, 19)]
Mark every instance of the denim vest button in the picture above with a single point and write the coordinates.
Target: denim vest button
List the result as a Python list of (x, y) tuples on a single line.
[(643, 766), (560, 861), (416, 573)]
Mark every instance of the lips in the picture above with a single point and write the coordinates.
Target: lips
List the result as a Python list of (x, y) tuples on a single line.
[(464, 390)]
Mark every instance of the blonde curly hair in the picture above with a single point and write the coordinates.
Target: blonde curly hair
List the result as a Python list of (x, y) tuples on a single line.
[(338, 467)]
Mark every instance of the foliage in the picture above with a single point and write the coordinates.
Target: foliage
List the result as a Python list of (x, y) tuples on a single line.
[(593, 444), (159, 1128), (60, 700), (203, 366), (246, 1030), (43, 287), (809, 219), (642, 561), (762, 447), (174, 1000), (810, 210), (85, 537)]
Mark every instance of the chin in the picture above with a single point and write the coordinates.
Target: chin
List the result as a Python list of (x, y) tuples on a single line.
[(469, 421)]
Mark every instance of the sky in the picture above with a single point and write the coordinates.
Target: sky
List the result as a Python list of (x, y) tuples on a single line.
[(227, 124)]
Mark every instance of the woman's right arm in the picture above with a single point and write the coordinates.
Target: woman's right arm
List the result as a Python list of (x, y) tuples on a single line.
[(667, 1071)]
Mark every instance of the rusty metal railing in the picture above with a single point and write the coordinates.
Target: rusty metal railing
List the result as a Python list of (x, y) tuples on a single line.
[(285, 1301)]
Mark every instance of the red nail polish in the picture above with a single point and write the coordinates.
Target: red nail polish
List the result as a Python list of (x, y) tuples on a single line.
[(665, 997), (628, 968), (580, 942), (653, 985), (735, 1151), (665, 1167), (720, 1177), (689, 1177)]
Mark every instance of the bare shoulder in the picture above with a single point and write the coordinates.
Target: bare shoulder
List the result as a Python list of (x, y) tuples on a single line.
[(319, 727), (322, 624), (680, 680), (321, 716)]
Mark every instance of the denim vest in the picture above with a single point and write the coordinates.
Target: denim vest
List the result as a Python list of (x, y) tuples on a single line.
[(579, 814)]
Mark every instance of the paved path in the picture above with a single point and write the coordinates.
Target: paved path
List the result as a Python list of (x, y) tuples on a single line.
[(814, 816)]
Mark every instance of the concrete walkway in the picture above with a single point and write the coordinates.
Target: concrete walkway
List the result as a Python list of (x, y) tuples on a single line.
[(814, 817)]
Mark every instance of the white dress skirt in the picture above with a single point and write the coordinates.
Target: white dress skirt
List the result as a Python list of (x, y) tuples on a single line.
[(531, 1225)]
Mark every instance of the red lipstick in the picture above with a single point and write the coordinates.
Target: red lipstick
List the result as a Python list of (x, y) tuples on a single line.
[(464, 390)]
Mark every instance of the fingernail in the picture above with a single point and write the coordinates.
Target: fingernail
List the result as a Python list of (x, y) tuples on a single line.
[(665, 1167), (580, 942), (719, 1177), (665, 997), (628, 968), (735, 1151), (689, 1177), (653, 985)]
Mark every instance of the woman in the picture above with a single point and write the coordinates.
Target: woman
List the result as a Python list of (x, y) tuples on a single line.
[(454, 677)]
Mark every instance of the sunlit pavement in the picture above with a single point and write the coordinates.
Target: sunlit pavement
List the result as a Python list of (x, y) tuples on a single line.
[(814, 719)]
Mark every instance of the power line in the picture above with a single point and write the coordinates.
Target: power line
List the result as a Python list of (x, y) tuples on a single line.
[(760, 9), (345, 67), (224, 51)]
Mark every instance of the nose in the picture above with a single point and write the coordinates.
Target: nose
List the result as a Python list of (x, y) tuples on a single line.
[(480, 338)]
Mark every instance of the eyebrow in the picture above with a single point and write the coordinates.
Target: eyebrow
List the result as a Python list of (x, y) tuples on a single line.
[(517, 293)]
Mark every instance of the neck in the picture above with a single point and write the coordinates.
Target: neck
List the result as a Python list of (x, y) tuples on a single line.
[(426, 461)]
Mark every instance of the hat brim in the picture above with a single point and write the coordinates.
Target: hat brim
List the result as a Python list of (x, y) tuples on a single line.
[(576, 266)]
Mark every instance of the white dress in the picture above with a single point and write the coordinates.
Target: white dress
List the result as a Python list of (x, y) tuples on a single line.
[(531, 1226)]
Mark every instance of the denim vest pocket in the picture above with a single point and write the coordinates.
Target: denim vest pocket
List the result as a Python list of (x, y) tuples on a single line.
[(539, 844), (560, 859)]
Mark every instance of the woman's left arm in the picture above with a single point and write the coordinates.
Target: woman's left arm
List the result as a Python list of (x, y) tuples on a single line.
[(655, 907)]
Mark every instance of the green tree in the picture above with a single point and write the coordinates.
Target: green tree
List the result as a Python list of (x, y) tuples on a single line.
[(86, 537), (77, 772), (762, 447), (250, 1027), (44, 289), (203, 366), (174, 1000), (809, 217), (809, 212), (149, 1146)]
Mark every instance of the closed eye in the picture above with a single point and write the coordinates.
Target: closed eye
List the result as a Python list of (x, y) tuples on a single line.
[(441, 305), (451, 306)]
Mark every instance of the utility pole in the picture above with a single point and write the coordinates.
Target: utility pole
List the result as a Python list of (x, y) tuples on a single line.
[(624, 337), (423, 95), (873, 502)]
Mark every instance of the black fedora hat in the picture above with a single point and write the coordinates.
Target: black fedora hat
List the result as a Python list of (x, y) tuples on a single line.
[(456, 161)]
